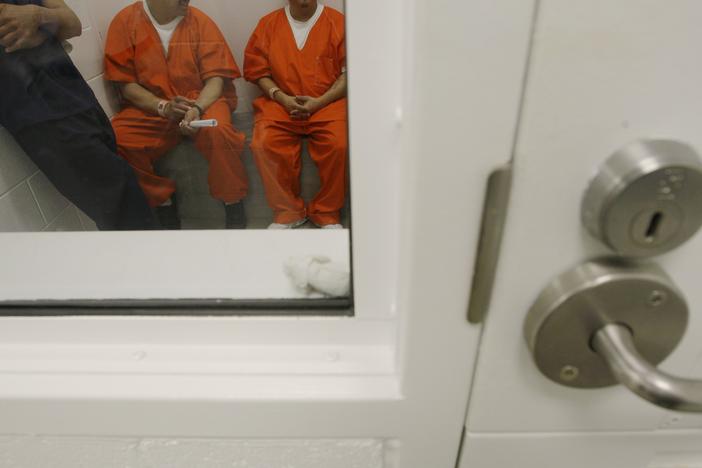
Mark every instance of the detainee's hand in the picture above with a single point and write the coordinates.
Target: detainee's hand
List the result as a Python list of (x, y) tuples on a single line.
[(30, 42), (185, 128), (19, 27), (296, 110), (310, 104), (178, 107)]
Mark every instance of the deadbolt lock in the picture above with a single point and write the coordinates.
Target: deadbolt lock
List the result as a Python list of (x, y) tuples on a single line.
[(646, 199)]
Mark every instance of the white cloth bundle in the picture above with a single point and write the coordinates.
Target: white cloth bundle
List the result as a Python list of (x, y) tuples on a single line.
[(312, 274)]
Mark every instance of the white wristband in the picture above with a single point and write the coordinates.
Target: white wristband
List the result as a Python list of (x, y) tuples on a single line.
[(272, 91), (162, 105)]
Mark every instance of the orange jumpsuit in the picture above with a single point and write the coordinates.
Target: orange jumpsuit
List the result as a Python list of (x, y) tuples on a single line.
[(197, 52), (272, 52)]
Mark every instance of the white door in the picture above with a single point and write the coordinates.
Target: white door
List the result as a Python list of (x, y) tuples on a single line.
[(601, 74), (435, 90)]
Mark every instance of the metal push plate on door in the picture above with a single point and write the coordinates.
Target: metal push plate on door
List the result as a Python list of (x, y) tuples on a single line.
[(646, 199)]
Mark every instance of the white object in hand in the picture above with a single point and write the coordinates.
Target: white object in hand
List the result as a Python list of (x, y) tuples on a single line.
[(204, 123)]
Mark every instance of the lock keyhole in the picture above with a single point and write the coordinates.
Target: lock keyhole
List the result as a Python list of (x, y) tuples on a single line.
[(653, 226)]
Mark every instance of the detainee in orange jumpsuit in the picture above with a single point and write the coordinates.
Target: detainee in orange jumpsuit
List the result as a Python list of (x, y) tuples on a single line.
[(297, 56), (173, 66)]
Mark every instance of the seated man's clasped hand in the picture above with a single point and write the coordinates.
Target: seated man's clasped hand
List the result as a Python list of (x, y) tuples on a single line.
[(20, 27)]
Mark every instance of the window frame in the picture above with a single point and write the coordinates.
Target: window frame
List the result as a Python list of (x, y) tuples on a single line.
[(46, 277), (377, 61)]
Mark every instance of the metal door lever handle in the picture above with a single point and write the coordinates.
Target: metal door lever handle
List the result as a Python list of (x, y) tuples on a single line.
[(615, 344), (608, 322)]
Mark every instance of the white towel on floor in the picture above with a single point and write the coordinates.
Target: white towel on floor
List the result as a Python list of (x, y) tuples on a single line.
[(312, 274)]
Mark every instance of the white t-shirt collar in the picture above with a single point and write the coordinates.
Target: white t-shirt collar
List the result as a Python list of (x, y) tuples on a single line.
[(301, 29), (165, 31)]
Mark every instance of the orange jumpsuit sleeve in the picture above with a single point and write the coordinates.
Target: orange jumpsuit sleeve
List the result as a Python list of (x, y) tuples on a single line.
[(119, 52), (256, 64), (215, 56), (341, 53)]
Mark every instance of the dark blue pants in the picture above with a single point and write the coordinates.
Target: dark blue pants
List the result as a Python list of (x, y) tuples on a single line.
[(79, 156)]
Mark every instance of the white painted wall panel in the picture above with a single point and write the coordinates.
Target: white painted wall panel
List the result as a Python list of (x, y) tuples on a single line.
[(87, 452), (605, 450)]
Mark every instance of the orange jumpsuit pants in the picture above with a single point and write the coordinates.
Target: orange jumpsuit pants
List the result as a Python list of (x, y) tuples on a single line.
[(143, 138), (277, 145)]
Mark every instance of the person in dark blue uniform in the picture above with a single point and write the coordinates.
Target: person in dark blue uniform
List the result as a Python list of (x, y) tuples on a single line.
[(52, 113)]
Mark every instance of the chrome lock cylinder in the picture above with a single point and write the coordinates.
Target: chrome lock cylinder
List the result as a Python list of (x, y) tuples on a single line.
[(646, 199)]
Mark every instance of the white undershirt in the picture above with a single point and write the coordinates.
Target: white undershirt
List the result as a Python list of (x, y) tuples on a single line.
[(165, 31), (301, 29)]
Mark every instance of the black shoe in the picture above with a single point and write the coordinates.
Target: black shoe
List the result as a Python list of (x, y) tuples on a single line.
[(236, 217), (168, 216)]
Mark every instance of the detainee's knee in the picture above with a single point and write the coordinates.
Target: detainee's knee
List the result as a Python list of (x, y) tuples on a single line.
[(259, 145), (339, 148), (218, 135)]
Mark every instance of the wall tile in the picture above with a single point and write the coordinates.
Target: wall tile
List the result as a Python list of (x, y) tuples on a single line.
[(67, 221), (19, 211), (103, 11), (51, 202), (87, 223), (15, 166), (81, 9), (87, 53)]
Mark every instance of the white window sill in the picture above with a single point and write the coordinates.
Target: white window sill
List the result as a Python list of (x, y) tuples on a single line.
[(231, 373), (191, 264)]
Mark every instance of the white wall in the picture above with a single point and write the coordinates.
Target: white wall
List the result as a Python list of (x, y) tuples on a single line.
[(236, 18), (87, 452)]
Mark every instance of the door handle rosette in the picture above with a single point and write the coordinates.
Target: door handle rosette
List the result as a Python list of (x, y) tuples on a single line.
[(607, 322)]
